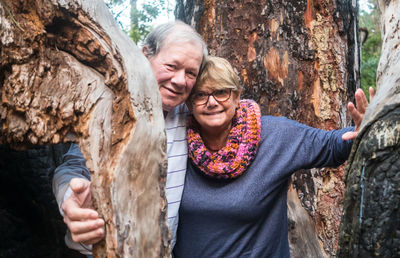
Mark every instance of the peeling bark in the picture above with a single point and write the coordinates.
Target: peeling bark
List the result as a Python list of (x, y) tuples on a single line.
[(298, 59), (371, 218), (68, 73)]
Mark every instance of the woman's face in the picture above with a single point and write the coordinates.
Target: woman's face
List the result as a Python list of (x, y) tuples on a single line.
[(215, 116)]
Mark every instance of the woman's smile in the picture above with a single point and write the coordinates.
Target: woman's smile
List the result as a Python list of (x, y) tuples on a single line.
[(213, 113)]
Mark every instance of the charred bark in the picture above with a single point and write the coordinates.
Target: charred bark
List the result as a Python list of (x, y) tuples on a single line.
[(31, 225), (298, 59), (371, 218), (68, 73)]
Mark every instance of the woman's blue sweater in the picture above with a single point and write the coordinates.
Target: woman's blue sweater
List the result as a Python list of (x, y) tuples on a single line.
[(247, 216)]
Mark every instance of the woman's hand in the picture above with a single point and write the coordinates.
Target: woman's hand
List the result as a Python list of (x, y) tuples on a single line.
[(357, 114)]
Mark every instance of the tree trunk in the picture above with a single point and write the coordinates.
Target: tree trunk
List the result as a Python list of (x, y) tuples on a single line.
[(68, 73), (31, 225), (297, 59), (371, 221)]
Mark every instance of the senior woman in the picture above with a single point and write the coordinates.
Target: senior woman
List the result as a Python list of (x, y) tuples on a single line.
[(234, 200)]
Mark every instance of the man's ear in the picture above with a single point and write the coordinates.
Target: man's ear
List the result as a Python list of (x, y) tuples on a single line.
[(146, 51)]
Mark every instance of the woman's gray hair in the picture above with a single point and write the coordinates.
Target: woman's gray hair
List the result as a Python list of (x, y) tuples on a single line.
[(175, 31)]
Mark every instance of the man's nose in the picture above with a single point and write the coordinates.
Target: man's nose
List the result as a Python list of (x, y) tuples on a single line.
[(179, 78)]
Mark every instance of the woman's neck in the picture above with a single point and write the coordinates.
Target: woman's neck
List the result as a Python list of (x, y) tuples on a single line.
[(214, 141)]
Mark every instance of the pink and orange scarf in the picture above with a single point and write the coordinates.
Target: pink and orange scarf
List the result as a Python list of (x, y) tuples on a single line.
[(240, 149)]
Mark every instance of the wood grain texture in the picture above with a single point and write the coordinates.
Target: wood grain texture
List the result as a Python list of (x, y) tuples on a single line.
[(68, 73), (370, 225), (297, 59)]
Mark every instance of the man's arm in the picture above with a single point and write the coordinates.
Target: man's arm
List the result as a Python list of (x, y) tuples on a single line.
[(71, 186), (73, 166)]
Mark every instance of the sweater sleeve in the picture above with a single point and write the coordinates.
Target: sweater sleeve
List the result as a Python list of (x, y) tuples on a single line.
[(73, 165), (327, 147), (305, 147)]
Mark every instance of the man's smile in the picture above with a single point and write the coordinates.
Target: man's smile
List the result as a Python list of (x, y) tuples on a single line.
[(172, 90)]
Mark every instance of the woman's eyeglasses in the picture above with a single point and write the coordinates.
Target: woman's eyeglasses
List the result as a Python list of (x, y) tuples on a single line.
[(201, 98)]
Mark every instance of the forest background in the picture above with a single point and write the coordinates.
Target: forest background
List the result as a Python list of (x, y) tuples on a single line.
[(20, 186), (138, 17)]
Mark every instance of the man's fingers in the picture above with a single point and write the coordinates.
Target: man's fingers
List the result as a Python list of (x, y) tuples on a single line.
[(73, 211), (80, 214), (79, 185), (91, 237), (83, 227), (81, 192)]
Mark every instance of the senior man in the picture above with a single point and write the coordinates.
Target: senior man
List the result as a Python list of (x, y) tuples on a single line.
[(176, 52)]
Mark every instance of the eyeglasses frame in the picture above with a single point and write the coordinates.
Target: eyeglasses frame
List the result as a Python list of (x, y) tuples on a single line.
[(212, 94)]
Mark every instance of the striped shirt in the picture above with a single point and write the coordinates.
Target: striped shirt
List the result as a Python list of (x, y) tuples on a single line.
[(75, 166), (175, 126)]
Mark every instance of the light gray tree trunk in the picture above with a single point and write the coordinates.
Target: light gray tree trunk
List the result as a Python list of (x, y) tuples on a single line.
[(68, 73), (370, 225)]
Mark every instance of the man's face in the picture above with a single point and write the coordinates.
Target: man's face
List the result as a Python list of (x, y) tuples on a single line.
[(176, 67)]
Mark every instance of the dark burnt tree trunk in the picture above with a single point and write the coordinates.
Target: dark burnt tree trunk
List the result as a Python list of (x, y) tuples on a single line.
[(68, 73), (371, 221), (31, 225), (298, 59)]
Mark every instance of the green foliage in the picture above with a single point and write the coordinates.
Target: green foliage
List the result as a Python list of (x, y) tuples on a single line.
[(141, 20), (111, 3), (141, 15), (371, 49)]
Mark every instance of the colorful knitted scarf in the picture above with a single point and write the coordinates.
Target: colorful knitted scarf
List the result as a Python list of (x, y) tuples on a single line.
[(240, 149)]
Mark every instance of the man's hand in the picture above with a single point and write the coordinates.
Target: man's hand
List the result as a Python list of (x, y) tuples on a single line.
[(82, 220), (357, 114)]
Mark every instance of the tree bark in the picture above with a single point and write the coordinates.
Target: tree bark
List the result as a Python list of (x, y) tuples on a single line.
[(298, 59), (68, 73), (370, 224), (31, 225)]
